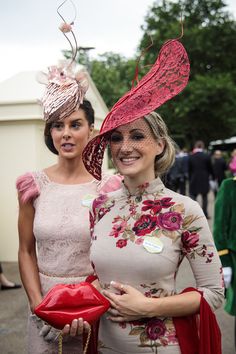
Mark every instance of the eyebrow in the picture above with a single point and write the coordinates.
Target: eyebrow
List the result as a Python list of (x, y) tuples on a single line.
[(131, 131), (76, 120)]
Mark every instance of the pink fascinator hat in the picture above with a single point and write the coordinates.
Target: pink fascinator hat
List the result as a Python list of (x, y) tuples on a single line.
[(168, 77), (65, 88)]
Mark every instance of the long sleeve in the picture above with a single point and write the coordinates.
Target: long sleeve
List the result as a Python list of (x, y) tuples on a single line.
[(200, 250)]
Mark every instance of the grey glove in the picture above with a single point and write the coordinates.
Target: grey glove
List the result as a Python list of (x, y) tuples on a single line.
[(49, 333), (227, 273)]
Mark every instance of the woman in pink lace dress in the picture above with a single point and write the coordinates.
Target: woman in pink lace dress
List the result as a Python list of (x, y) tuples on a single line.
[(54, 222)]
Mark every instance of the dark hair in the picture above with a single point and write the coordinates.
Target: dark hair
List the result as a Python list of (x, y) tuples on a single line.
[(199, 144), (89, 114)]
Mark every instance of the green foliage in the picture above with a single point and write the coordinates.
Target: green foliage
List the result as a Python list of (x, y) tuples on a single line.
[(207, 107), (112, 75), (206, 110)]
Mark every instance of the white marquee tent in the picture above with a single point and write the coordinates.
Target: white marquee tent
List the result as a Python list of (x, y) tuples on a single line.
[(22, 146)]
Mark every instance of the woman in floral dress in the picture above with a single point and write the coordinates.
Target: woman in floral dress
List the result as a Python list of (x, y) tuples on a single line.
[(142, 232), (140, 235)]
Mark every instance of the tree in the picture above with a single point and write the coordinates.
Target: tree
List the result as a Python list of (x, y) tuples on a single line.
[(112, 74), (207, 107)]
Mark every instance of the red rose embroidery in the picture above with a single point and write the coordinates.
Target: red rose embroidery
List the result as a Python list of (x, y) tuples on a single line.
[(145, 224), (166, 202), (155, 329), (189, 240), (121, 243), (155, 206)]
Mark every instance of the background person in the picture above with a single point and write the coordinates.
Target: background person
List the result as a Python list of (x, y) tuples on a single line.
[(232, 164), (225, 239), (200, 171), (177, 175), (219, 168), (5, 283)]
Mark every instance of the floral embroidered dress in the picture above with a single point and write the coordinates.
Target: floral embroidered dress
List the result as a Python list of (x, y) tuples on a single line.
[(140, 240), (61, 230)]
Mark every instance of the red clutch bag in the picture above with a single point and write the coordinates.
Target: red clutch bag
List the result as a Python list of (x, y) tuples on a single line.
[(65, 302)]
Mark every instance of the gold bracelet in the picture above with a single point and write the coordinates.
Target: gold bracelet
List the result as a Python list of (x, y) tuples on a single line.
[(223, 252)]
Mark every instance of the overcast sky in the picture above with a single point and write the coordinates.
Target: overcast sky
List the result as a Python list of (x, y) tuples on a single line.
[(30, 39)]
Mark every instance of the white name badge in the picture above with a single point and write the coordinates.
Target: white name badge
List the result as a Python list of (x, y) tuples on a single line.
[(87, 200), (152, 244)]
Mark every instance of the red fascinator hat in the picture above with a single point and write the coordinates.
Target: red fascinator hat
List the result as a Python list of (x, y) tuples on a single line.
[(168, 76)]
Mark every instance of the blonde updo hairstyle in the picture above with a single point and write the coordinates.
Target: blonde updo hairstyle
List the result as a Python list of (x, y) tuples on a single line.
[(159, 129)]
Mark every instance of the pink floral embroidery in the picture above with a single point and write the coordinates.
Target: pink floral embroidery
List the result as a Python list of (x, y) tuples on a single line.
[(190, 243), (152, 221), (102, 205), (132, 208), (118, 229), (152, 332), (99, 201), (139, 241), (170, 221)]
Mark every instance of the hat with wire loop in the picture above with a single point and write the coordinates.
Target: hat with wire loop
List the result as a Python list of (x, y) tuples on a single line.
[(65, 88)]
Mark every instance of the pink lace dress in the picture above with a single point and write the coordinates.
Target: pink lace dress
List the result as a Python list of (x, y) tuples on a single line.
[(140, 239), (62, 232)]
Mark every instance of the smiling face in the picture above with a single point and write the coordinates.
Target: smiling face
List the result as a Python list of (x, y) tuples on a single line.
[(134, 149), (71, 135)]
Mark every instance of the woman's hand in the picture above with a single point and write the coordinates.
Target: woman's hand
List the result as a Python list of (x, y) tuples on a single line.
[(77, 328), (130, 305)]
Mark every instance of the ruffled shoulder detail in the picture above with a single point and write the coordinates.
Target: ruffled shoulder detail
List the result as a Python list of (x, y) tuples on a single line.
[(27, 187), (109, 183)]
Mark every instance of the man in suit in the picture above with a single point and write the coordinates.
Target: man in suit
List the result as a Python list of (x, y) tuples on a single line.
[(219, 167), (200, 170)]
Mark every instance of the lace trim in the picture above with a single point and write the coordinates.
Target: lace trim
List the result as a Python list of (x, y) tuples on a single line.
[(41, 178), (62, 275)]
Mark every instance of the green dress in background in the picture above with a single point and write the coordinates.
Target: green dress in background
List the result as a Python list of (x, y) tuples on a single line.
[(224, 232)]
